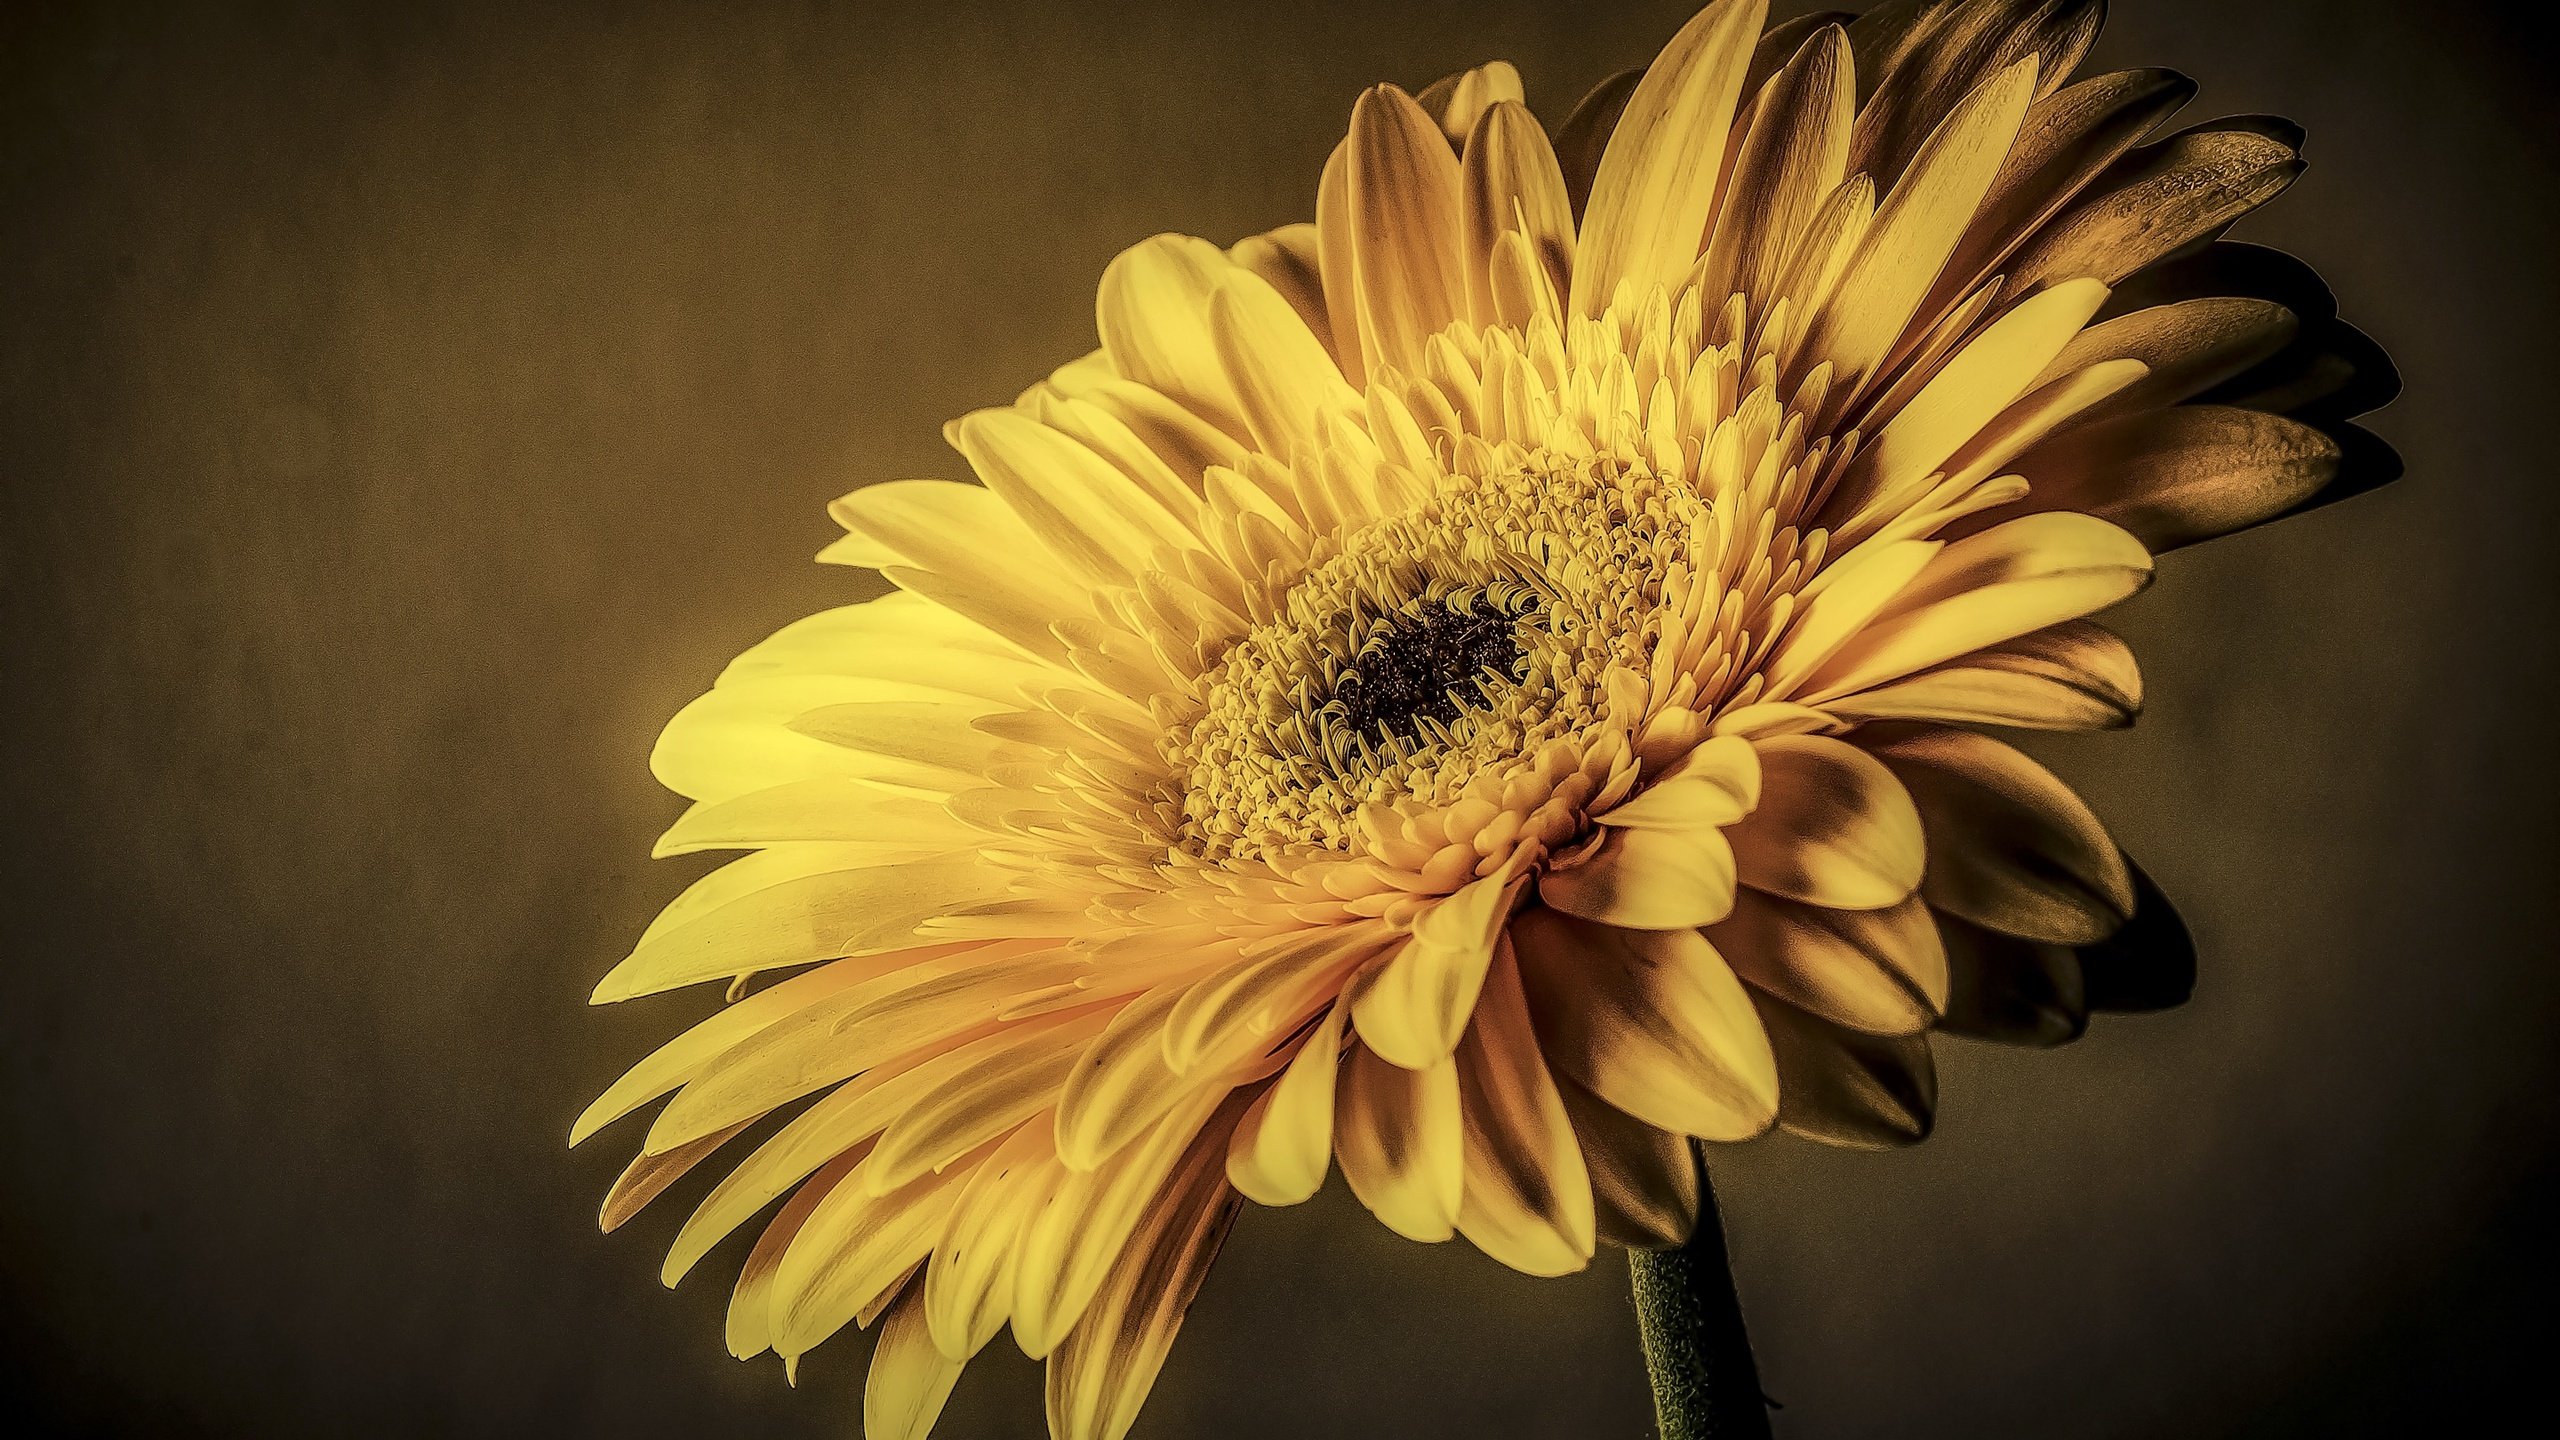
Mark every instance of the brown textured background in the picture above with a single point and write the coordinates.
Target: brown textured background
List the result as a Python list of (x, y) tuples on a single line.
[(405, 412)]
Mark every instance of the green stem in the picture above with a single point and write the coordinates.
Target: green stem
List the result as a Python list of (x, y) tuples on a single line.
[(1704, 1384)]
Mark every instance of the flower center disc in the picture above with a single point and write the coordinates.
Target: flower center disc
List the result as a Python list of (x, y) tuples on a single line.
[(1421, 667), (1430, 654)]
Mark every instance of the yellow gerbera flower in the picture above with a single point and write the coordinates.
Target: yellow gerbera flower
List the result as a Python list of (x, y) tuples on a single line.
[(1474, 689)]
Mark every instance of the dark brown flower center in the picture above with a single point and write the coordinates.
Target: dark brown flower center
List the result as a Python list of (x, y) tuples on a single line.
[(1422, 663)]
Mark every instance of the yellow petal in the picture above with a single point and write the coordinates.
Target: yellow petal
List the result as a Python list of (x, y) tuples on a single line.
[(2068, 139), (2038, 413), (1401, 1143), (1527, 1196), (1833, 827), (1644, 1180), (2186, 347), (1714, 785), (1653, 1022), (737, 739), (1284, 1144), (1406, 230), (851, 1250), (2154, 201), (1102, 1372), (910, 1379), (1284, 380), (1457, 102), (892, 638), (1657, 184), (1339, 257), (1290, 261), (1796, 153), (1080, 1233), (1223, 1017), (842, 1036), (873, 823), (681, 1058), (2010, 846), (1855, 587), (932, 747), (1004, 1085), (808, 918), (1866, 1092), (1881, 971), (1977, 383), (1153, 314), (2077, 675), (1416, 1005), (1511, 185), (1916, 229), (1095, 519), (1649, 878), (2018, 576), (2173, 477), (751, 1311), (648, 1176), (1121, 1087), (967, 1284), (1583, 138), (1956, 48)]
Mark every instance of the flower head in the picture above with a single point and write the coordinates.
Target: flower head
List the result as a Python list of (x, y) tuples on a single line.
[(1479, 689)]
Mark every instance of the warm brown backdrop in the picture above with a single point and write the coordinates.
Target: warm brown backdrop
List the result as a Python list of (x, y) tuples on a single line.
[(405, 412)]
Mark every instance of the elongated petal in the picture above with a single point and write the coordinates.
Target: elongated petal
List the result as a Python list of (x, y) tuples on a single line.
[(2173, 477), (1284, 379), (999, 1091), (1918, 226), (1404, 194), (910, 1379), (2077, 675), (1714, 785), (1094, 518), (1880, 971), (853, 1248), (1976, 384), (2010, 846), (1069, 1248), (1417, 1005), (2015, 577), (1796, 153), (1284, 1144), (967, 1297), (1100, 1375), (814, 917), (2153, 201), (2068, 138), (1648, 878), (2185, 348), (1511, 185), (1153, 314), (1842, 1087), (1528, 1197), (751, 1309), (1960, 46), (1657, 183), (1583, 138), (681, 1058), (1644, 1179), (1398, 1134), (1833, 828), (1653, 1022)]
